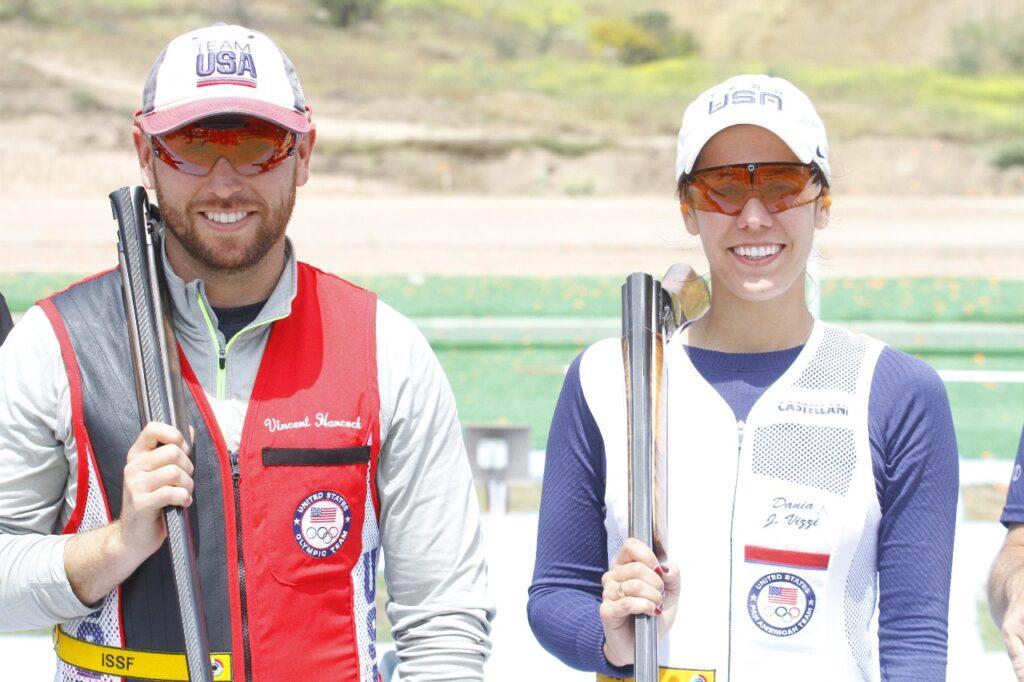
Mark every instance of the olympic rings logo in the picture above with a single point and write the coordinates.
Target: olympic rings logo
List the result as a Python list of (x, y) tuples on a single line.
[(322, 533), (776, 605), (321, 523), (786, 615)]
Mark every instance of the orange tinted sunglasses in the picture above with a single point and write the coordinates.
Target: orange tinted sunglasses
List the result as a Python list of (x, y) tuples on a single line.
[(252, 145), (726, 189)]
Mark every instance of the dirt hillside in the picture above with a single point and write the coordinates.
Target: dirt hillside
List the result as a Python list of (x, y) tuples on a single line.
[(429, 98)]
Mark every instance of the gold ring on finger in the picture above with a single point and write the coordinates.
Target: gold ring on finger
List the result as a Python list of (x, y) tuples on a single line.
[(619, 590)]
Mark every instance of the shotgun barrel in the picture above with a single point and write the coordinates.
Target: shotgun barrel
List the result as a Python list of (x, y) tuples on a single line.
[(160, 391), (650, 315), (645, 320)]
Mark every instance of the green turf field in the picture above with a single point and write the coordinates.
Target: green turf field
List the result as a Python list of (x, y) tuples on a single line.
[(512, 371), (918, 300), (520, 385)]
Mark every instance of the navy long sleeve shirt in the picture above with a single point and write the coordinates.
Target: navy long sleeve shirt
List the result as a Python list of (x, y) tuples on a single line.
[(1013, 512)]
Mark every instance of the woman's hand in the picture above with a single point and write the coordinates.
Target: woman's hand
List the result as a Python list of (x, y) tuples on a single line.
[(636, 583)]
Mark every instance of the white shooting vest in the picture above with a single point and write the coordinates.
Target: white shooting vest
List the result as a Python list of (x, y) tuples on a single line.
[(773, 522)]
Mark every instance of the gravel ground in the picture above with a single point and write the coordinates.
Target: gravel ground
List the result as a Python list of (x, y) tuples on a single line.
[(471, 235)]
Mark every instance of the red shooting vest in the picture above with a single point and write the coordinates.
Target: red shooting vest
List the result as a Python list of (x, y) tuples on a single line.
[(287, 537)]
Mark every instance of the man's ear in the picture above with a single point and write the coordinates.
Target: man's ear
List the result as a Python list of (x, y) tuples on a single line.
[(822, 211), (144, 151), (303, 153)]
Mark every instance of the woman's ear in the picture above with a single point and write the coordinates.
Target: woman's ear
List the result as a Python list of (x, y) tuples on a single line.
[(689, 219), (822, 211)]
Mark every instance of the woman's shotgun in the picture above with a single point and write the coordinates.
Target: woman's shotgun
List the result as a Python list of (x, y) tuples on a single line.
[(650, 315)]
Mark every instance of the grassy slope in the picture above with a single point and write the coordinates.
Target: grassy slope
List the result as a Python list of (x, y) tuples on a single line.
[(527, 64)]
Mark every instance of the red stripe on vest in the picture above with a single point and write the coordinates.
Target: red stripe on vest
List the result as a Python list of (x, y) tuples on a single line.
[(82, 440), (74, 374), (77, 420), (785, 557)]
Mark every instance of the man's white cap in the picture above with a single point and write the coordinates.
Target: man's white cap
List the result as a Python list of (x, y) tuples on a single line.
[(222, 69), (774, 104)]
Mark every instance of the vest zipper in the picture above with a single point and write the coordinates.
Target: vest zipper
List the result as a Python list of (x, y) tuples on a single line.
[(236, 476), (222, 349), (236, 471), (732, 532)]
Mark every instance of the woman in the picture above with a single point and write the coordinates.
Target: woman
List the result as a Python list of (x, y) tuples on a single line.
[(812, 473)]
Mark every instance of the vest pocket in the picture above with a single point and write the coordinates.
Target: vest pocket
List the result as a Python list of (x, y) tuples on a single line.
[(310, 517), (315, 456)]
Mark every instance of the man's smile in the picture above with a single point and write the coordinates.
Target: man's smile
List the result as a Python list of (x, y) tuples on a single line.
[(227, 221)]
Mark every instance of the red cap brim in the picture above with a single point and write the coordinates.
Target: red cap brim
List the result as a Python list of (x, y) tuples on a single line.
[(160, 122)]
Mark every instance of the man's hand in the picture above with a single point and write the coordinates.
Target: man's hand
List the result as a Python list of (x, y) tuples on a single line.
[(1015, 648), (1006, 596), (157, 474), (636, 583)]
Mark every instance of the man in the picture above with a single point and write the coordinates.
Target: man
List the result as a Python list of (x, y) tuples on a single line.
[(324, 426), (1006, 582), (6, 323)]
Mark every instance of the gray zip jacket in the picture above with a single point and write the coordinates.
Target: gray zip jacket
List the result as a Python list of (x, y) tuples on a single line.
[(429, 517)]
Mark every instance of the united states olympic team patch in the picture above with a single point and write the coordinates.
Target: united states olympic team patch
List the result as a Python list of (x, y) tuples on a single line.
[(321, 523), (781, 604)]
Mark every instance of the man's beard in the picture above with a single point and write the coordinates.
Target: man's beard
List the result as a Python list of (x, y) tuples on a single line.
[(273, 220)]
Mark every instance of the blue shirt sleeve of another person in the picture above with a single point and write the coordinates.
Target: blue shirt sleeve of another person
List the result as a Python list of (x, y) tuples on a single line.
[(1013, 512)]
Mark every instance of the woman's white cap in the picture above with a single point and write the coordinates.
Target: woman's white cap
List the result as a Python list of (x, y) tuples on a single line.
[(772, 103)]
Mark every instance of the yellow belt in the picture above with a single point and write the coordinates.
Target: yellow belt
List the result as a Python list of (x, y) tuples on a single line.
[(149, 665), (673, 675)]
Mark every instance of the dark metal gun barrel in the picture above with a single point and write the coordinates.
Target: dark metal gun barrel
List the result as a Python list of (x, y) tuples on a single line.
[(160, 391)]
